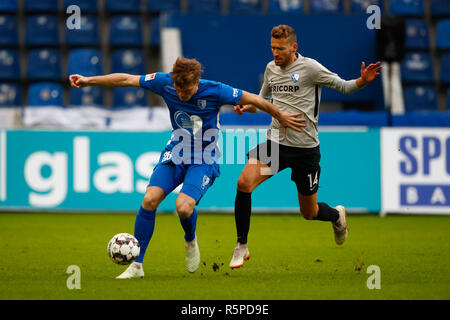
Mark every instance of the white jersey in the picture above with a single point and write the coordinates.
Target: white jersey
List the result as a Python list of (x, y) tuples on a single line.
[(297, 88)]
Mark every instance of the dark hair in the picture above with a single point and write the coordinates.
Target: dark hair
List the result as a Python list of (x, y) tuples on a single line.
[(186, 72), (284, 32)]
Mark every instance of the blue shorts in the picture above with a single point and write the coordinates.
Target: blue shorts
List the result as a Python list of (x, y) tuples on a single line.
[(196, 178)]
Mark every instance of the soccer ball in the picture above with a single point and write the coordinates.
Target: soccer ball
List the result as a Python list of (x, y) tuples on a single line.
[(123, 248)]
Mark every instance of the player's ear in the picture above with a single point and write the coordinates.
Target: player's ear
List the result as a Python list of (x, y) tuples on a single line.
[(295, 47)]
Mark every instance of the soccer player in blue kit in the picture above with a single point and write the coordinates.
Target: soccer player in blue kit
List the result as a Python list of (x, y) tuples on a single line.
[(190, 156)]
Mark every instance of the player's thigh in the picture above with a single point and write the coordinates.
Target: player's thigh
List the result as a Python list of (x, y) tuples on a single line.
[(152, 198), (254, 173), (166, 176), (198, 179)]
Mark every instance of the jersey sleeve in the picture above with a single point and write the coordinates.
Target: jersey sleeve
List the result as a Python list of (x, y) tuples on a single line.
[(153, 82), (229, 95), (322, 76)]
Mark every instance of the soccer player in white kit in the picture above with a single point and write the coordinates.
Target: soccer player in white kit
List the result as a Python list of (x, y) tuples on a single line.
[(294, 84)]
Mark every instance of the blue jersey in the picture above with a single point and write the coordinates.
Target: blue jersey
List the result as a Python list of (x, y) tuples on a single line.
[(195, 122)]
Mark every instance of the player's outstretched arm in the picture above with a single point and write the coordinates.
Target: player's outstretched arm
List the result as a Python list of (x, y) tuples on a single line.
[(110, 80), (286, 119)]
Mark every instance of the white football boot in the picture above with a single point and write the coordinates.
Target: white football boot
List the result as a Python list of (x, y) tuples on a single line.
[(192, 255), (135, 270), (340, 226), (240, 255)]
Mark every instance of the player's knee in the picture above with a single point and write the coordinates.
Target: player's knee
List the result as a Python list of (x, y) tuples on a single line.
[(184, 209), (150, 202), (244, 184)]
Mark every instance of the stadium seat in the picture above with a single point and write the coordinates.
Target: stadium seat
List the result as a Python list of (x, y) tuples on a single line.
[(45, 94), (9, 64), (443, 34), (417, 67), (125, 31), (130, 61), (87, 96), (87, 35), (245, 6), (407, 7), (445, 68), (129, 97), (325, 6), (44, 64), (155, 31), (41, 5), (360, 6), (420, 98), (8, 30), (85, 61), (417, 34), (42, 30), (440, 7), (205, 6), (10, 95), (278, 6), (167, 5), (123, 6), (8, 5), (90, 6)]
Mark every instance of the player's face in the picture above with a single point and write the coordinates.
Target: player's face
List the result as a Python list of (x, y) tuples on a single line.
[(283, 51), (186, 93)]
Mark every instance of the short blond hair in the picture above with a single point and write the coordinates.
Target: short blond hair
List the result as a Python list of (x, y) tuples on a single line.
[(284, 32), (186, 72)]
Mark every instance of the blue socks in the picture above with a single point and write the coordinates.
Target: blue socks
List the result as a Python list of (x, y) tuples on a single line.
[(143, 230), (189, 225)]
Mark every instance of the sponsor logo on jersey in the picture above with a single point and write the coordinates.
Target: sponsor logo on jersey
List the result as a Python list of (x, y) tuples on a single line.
[(150, 76), (295, 77), (285, 88)]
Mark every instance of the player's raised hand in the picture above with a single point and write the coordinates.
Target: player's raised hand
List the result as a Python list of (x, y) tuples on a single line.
[(292, 121), (370, 73), (78, 81), (245, 108)]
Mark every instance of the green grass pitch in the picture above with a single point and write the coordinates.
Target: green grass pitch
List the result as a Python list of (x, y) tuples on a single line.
[(291, 258)]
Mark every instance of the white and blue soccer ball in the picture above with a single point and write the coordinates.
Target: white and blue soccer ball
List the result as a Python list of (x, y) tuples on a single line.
[(123, 248)]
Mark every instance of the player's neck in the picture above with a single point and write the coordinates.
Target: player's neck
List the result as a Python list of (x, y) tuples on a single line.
[(294, 57)]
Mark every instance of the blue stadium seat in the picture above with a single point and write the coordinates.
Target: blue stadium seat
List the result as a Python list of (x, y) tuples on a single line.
[(360, 6), (445, 68), (417, 67), (130, 61), (87, 96), (10, 95), (123, 6), (45, 94), (245, 6), (278, 6), (155, 31), (440, 7), (421, 98), (167, 5), (87, 35), (125, 30), (205, 6), (8, 30), (44, 64), (90, 6), (85, 61), (42, 30), (41, 5), (8, 5), (407, 7), (129, 97), (417, 34), (326, 6), (443, 34), (9, 64)]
